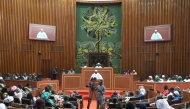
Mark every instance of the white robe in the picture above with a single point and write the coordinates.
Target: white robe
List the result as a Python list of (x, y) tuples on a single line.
[(97, 76), (156, 36), (42, 35)]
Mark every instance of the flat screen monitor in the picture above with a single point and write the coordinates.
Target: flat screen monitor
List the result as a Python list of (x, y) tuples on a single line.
[(157, 33), (42, 32)]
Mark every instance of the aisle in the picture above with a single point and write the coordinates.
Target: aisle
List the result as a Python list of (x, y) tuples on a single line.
[(92, 105)]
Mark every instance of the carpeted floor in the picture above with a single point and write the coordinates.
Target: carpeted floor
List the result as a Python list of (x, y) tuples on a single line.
[(92, 105), (85, 94)]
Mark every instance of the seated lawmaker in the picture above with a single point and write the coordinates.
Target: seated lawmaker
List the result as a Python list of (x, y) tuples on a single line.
[(46, 95), (30, 77), (150, 79), (34, 77), (63, 71), (115, 96), (28, 88), (180, 79), (66, 101), (138, 94), (177, 88), (176, 95), (163, 104), (39, 76), (14, 77), (142, 90), (24, 76), (157, 79), (72, 71), (9, 100), (40, 104), (171, 91), (96, 75), (165, 92), (186, 79), (98, 65), (2, 84), (1, 76), (4, 92), (8, 76)]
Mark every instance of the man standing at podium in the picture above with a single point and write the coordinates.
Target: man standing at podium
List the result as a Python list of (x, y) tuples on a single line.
[(96, 75)]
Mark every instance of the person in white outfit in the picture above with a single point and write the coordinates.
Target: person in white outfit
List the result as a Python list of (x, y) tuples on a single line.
[(156, 36), (42, 34), (96, 75)]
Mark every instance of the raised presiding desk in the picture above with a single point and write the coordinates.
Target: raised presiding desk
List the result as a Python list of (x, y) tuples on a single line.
[(160, 85), (111, 80), (34, 84)]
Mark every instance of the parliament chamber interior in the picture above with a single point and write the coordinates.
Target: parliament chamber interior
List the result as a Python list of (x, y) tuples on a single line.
[(94, 54)]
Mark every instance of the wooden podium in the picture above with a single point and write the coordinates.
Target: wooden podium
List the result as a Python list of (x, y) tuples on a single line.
[(111, 80), (106, 73)]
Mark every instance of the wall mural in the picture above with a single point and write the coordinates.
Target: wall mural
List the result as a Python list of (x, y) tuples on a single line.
[(98, 30)]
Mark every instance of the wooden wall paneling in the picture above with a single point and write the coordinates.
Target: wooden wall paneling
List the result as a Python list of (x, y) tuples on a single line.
[(16, 15)]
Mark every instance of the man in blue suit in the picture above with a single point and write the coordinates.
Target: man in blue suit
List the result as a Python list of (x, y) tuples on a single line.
[(54, 71)]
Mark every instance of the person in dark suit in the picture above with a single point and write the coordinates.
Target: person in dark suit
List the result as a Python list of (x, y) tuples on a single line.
[(54, 71), (39, 76)]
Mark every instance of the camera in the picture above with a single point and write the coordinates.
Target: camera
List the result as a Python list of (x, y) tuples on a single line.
[(91, 84)]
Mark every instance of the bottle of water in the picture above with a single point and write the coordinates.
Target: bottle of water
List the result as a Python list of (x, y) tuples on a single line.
[(26, 106), (148, 100)]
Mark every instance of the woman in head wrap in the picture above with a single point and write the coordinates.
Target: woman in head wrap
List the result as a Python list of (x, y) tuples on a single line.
[(157, 79), (179, 79), (150, 79), (40, 104), (28, 88), (9, 100), (142, 90), (165, 92), (50, 88), (163, 104), (177, 89), (17, 94), (176, 95), (21, 89), (46, 95), (4, 92)]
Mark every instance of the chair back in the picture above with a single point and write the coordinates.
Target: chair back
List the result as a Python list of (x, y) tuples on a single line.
[(16, 100), (78, 96), (26, 101), (112, 105), (67, 105), (134, 98)]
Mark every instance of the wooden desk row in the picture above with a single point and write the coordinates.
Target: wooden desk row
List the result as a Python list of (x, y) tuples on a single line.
[(35, 84), (111, 81), (160, 85)]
